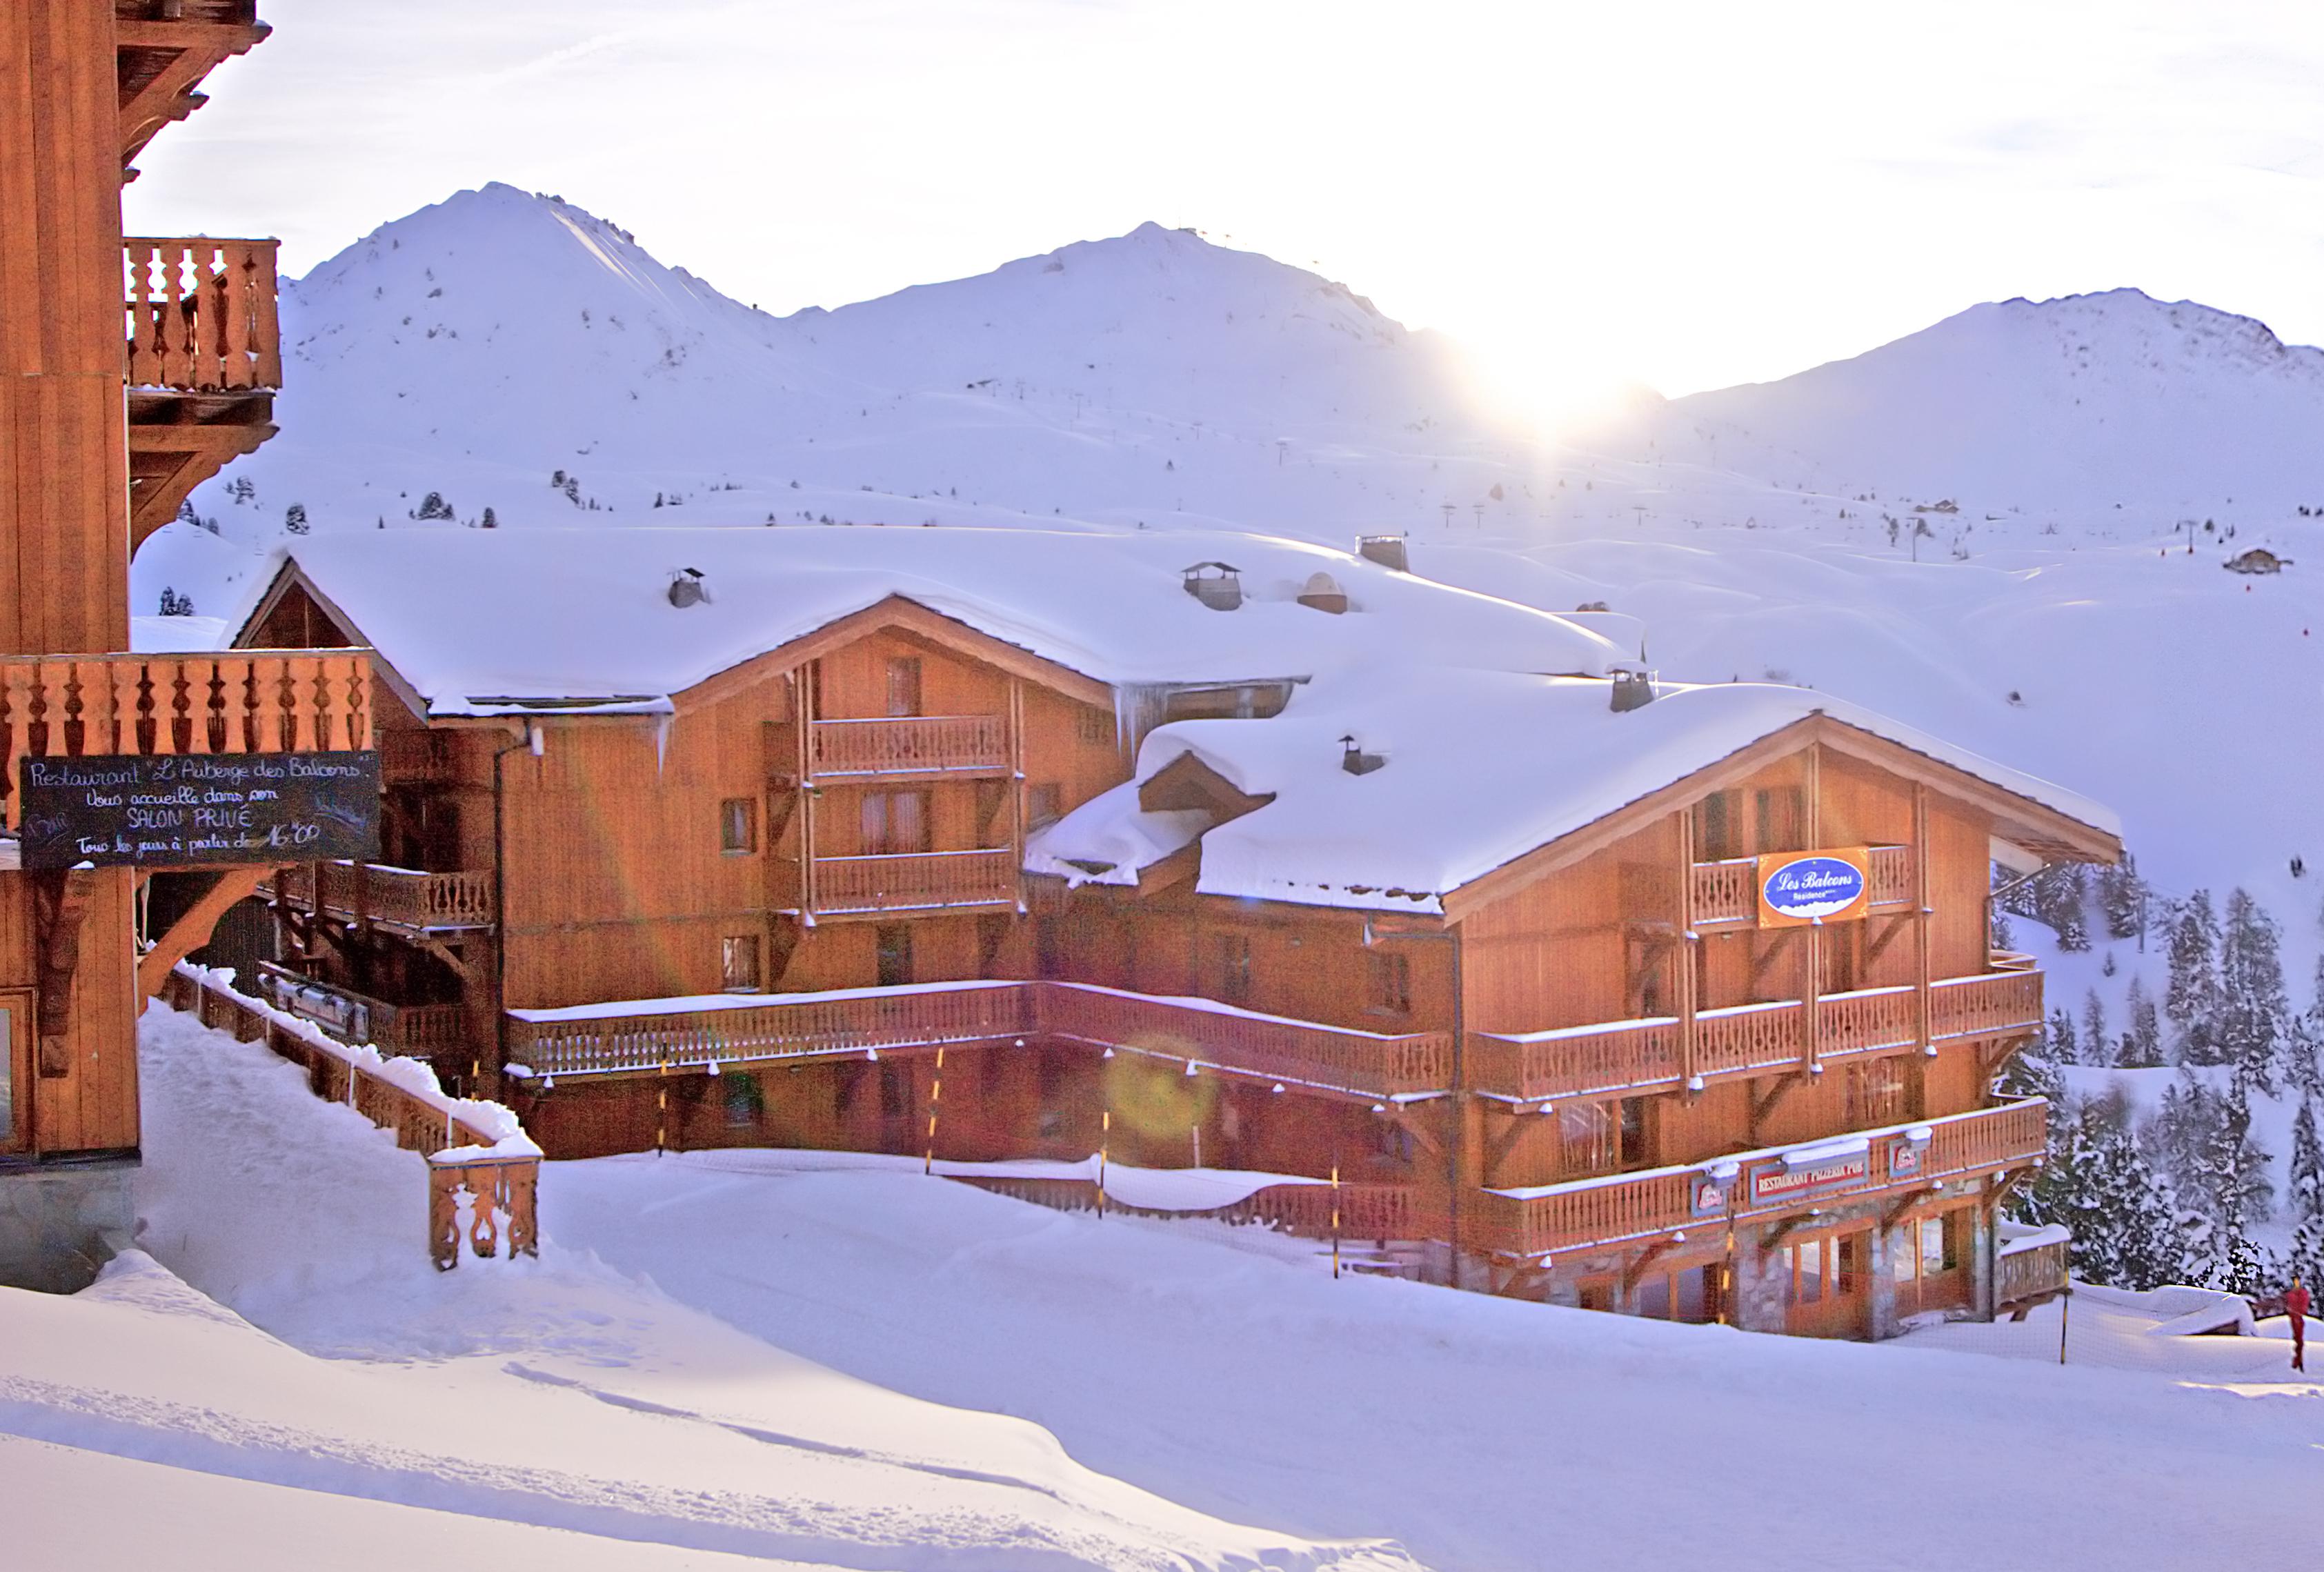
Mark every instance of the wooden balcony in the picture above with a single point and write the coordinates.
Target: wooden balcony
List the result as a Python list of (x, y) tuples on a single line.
[(2025, 1275), (242, 701), (1596, 1213), (649, 1035), (1627, 1058), (401, 898), (419, 1030), (920, 881), (163, 49), (918, 745), (201, 316), (1727, 894)]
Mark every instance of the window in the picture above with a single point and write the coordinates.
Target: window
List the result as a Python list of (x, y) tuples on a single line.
[(1392, 984), (1944, 1243), (895, 954), (1232, 956), (1716, 834), (1043, 803), (1596, 1293), (738, 826), (904, 684), (744, 1100), (15, 1046), (895, 824), (1602, 1137), (738, 963), (1781, 824), (895, 1087), (1093, 726)]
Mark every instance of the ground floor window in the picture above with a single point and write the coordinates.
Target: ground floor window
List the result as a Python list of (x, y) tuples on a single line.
[(1691, 1294), (1830, 1266)]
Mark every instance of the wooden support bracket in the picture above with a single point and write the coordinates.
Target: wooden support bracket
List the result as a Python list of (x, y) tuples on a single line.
[(1636, 1271), (1761, 1107), (1781, 945), (1782, 1230), (60, 902), (1896, 924), (193, 928), (445, 953)]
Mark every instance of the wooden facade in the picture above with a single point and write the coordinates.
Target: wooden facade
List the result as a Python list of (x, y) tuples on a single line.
[(789, 911), (130, 371)]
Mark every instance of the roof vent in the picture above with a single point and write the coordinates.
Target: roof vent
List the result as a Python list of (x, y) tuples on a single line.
[(1355, 762), (685, 588), (1323, 592), (1217, 584), (1388, 550), (1634, 687)]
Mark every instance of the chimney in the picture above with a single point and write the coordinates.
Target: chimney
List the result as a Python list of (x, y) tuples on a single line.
[(1357, 762), (1323, 594), (1634, 687), (1388, 550), (1217, 584), (685, 588)]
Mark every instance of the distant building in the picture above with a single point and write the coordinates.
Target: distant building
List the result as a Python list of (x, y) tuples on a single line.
[(976, 845)]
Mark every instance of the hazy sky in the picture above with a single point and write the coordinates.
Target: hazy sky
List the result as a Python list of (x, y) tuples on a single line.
[(1685, 195)]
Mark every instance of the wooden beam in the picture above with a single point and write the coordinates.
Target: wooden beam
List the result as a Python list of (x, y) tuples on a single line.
[(1767, 956), (60, 903), (194, 926), (1633, 1275), (443, 953), (1761, 1107)]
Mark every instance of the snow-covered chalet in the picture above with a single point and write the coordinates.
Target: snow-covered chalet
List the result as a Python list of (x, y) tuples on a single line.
[(1417, 919)]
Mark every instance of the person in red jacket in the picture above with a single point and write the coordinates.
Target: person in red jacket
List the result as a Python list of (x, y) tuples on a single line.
[(2295, 1305)]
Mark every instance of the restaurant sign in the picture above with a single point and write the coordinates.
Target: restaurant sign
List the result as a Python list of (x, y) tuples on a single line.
[(1773, 1182), (1800, 888), (191, 809)]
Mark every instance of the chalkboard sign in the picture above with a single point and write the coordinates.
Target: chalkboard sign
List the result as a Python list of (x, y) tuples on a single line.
[(192, 808)]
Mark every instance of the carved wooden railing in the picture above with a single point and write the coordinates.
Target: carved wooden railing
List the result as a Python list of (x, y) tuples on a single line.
[(913, 745), (407, 756), (1592, 1213), (2023, 1274), (1631, 1057), (498, 1169), (201, 315), (689, 1035), (1727, 892), (914, 882), (1305, 1211), (399, 897), (1385, 1065), (242, 701), (356, 1017)]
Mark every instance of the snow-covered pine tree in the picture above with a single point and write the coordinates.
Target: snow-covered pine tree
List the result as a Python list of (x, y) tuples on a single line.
[(2253, 1017), (2304, 1206), (2061, 1044), (488, 521), (1997, 934), (2305, 1047), (186, 514), (174, 604), (294, 519), (433, 506), (2192, 998), (2202, 1142), (2141, 1038), (2121, 897), (2096, 1048), (2097, 1182)]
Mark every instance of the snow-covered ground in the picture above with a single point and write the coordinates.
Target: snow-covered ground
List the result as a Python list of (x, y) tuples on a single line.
[(650, 1379)]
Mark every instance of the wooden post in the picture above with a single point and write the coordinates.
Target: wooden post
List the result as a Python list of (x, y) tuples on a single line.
[(1921, 915), (1105, 1138), (1689, 961), (1810, 997), (806, 709), (1016, 785)]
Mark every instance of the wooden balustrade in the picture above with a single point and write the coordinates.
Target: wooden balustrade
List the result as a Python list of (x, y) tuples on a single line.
[(1747, 1039), (356, 1017), (461, 1156), (2023, 1277), (1266, 1047), (914, 882), (795, 1026), (201, 315), (1867, 1021), (395, 897), (1366, 1064), (242, 701), (1387, 1212), (408, 758), (909, 745), (1597, 1213), (1995, 1004), (1727, 892), (1576, 1061)]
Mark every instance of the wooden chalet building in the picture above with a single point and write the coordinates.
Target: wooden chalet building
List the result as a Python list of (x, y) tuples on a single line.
[(131, 370), (990, 845)]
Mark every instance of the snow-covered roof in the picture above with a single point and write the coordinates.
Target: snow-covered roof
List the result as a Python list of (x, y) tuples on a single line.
[(1481, 768), (486, 620)]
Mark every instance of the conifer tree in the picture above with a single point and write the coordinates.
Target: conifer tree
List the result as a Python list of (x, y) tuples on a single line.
[(2142, 1039), (2096, 1047), (2192, 998), (2202, 1142), (2097, 1183), (2305, 1046), (2304, 1207), (2062, 1045), (294, 519), (2254, 1016), (2065, 897), (2122, 897)]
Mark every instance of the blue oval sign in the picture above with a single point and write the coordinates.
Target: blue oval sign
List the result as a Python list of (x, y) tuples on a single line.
[(1813, 886)]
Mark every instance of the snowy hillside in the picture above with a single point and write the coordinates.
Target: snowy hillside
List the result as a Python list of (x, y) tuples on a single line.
[(1972, 530)]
